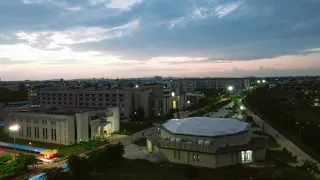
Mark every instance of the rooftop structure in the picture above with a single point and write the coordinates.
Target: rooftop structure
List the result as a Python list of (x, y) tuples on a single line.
[(205, 126)]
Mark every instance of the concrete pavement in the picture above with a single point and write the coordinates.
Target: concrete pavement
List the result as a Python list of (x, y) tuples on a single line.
[(283, 141)]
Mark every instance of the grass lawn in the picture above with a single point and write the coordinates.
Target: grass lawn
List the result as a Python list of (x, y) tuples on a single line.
[(133, 127), (144, 170)]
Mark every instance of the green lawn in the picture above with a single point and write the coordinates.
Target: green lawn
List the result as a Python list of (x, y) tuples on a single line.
[(133, 127), (144, 170)]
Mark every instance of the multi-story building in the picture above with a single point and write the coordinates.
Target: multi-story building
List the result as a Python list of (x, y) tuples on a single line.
[(155, 100), (190, 85), (65, 126)]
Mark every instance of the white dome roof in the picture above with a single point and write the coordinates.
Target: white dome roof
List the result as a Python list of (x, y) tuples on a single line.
[(205, 126)]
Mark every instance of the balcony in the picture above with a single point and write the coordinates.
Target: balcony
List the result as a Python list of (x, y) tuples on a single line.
[(188, 146)]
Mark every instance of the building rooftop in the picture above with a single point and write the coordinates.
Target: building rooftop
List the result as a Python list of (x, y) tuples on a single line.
[(205, 126), (55, 111)]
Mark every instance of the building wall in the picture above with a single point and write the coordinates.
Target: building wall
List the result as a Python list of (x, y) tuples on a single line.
[(237, 139), (63, 126), (259, 154), (114, 119), (186, 157), (82, 122)]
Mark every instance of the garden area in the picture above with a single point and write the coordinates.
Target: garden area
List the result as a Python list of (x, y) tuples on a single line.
[(10, 167)]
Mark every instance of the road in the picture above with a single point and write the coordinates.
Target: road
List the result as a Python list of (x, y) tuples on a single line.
[(283, 141)]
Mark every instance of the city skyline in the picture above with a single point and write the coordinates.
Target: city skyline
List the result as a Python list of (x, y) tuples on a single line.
[(73, 39)]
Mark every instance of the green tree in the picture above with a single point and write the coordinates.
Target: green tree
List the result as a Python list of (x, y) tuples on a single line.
[(5, 158), (27, 159), (57, 173), (109, 156), (79, 167)]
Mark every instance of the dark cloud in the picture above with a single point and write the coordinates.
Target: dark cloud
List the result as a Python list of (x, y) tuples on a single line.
[(256, 29)]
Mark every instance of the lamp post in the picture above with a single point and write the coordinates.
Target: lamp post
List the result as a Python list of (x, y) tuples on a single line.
[(14, 129)]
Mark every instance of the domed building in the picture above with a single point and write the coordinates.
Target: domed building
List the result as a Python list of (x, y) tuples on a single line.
[(207, 142)]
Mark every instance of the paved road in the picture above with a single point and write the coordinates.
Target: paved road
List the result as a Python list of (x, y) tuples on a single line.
[(283, 141)]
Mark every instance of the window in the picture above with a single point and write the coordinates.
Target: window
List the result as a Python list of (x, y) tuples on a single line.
[(246, 156), (176, 155), (196, 157), (55, 134), (51, 134)]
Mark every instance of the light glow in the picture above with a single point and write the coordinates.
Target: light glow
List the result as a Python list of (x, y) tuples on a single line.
[(230, 88), (14, 127)]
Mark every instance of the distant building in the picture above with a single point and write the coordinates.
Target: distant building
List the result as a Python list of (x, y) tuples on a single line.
[(1, 111), (65, 126), (155, 100), (194, 97), (207, 142), (190, 85)]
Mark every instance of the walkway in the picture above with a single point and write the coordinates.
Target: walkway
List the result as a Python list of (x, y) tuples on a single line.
[(283, 141)]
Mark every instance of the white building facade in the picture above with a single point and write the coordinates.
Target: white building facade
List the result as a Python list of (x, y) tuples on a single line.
[(63, 126)]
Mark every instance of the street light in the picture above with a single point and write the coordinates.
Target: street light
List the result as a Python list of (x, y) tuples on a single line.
[(230, 88), (263, 81), (258, 81), (14, 129), (242, 108), (172, 94), (188, 102)]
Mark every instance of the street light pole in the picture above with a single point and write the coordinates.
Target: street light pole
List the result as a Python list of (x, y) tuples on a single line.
[(14, 129)]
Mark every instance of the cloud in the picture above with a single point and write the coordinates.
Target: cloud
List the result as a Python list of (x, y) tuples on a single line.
[(32, 1), (116, 4), (77, 35), (159, 34)]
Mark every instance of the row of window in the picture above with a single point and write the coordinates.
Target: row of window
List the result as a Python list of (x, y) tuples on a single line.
[(195, 156), (37, 134), (35, 121)]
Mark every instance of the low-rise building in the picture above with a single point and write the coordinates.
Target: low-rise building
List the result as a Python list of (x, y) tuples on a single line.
[(65, 126), (206, 142)]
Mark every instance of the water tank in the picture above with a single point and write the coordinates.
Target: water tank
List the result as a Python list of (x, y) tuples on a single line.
[(178, 140), (207, 142), (200, 141), (172, 139)]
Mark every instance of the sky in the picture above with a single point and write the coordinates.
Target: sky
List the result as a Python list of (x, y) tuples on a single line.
[(51, 39)]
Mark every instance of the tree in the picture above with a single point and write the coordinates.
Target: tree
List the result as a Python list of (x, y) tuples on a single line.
[(56, 173), (5, 158), (27, 159), (110, 155), (79, 167)]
